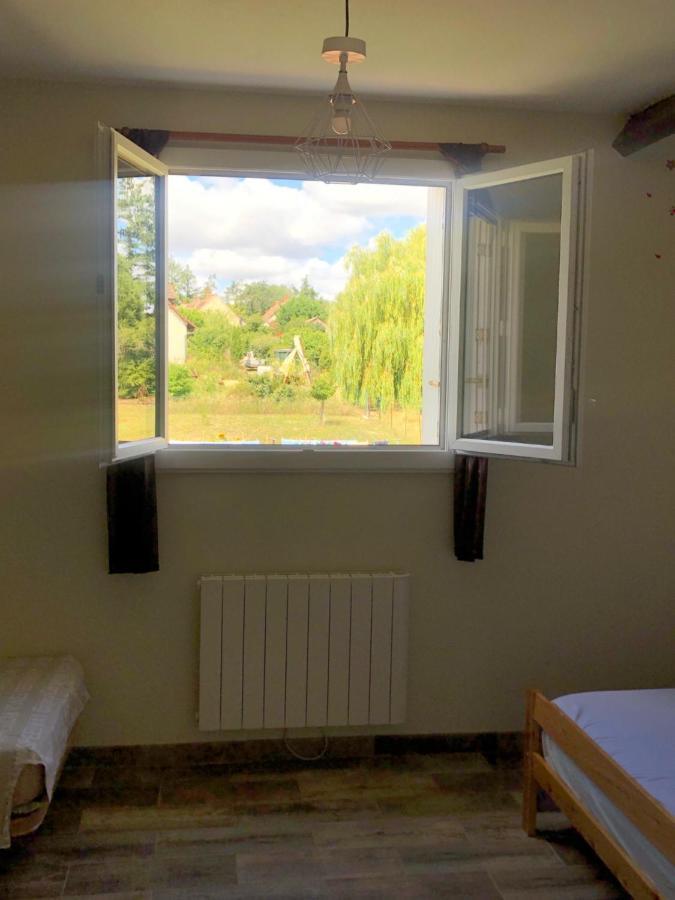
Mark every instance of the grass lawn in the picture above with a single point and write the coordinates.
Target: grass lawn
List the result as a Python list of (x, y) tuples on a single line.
[(220, 417)]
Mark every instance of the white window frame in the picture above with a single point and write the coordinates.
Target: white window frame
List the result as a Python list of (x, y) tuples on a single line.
[(114, 146), (285, 164), (562, 450), (513, 421), (444, 263)]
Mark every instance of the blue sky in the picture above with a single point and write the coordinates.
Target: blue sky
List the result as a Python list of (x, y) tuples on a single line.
[(249, 229)]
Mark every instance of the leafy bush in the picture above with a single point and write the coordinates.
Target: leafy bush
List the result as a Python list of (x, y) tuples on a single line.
[(284, 391), (269, 387), (254, 322), (216, 339), (197, 317), (135, 378), (262, 386), (136, 357), (180, 382), (262, 344)]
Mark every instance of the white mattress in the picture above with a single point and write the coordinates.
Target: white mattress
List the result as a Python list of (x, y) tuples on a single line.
[(637, 729), (40, 700)]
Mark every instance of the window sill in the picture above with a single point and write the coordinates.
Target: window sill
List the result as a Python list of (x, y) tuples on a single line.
[(203, 457)]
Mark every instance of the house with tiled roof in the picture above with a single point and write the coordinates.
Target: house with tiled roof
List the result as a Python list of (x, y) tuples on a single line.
[(318, 322), (211, 302), (270, 316), (179, 327)]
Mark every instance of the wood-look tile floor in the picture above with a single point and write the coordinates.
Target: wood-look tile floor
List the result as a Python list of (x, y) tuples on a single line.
[(415, 826)]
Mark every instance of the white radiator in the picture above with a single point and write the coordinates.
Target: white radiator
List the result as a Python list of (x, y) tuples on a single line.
[(289, 651)]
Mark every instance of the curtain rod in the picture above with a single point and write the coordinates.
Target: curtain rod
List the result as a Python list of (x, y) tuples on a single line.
[(227, 138)]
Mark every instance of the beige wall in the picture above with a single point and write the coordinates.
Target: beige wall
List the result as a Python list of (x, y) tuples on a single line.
[(176, 337), (577, 590)]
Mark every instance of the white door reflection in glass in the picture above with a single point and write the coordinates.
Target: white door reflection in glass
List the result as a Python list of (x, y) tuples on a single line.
[(510, 296)]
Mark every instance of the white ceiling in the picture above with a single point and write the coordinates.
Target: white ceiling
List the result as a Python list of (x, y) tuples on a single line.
[(590, 55)]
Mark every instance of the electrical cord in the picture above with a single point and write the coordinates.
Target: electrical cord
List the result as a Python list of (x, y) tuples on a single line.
[(306, 758), (346, 18)]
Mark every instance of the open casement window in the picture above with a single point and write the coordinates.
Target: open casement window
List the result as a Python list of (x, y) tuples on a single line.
[(515, 277), (492, 356), (138, 282)]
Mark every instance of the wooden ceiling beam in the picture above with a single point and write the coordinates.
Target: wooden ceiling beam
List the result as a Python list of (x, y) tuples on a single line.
[(644, 128)]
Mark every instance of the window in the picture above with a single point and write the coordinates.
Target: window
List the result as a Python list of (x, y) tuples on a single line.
[(311, 309), (138, 277), (515, 305), (393, 321)]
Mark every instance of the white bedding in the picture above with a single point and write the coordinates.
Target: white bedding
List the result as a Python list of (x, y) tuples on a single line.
[(637, 729), (40, 700)]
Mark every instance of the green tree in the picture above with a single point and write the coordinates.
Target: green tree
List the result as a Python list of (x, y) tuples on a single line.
[(136, 229), (378, 322), (215, 338), (302, 307), (131, 296), (135, 335), (316, 345), (136, 287), (256, 297), (323, 389), (210, 286), (307, 291), (183, 279)]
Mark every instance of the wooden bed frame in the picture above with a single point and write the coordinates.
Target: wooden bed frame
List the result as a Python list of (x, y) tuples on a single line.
[(653, 820)]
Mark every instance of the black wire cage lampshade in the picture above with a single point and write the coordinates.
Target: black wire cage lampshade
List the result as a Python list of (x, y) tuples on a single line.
[(342, 142)]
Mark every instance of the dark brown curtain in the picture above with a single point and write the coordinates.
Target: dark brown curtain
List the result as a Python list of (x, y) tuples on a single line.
[(470, 477), (151, 140), (132, 516), (470, 494), (465, 158)]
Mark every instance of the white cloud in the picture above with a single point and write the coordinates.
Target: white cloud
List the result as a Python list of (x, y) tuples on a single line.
[(252, 229), (372, 200), (231, 265)]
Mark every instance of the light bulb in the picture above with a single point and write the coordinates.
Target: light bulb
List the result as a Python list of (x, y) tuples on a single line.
[(341, 122), (342, 101)]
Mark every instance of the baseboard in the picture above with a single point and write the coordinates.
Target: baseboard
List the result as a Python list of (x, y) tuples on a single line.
[(493, 745)]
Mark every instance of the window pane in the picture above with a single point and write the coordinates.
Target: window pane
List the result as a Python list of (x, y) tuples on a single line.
[(304, 313), (510, 300), (136, 304)]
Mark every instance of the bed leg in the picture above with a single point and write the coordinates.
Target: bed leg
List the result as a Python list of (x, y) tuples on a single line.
[(532, 746)]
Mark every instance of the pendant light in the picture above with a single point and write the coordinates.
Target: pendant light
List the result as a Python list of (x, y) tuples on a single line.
[(341, 142)]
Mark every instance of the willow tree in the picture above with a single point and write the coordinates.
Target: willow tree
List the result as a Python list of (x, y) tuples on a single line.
[(377, 322)]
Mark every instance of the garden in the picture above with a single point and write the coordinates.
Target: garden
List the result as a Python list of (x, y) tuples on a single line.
[(272, 363)]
